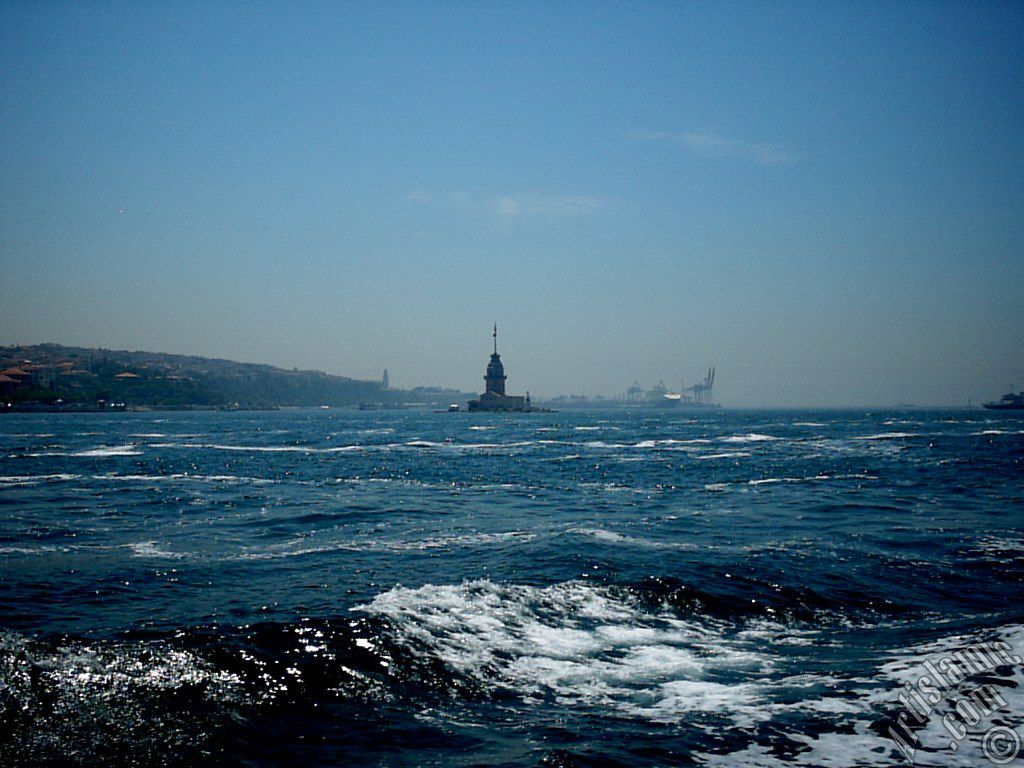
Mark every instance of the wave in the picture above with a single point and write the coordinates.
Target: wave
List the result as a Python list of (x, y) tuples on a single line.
[(602, 535), (774, 480), (859, 730), (302, 548), (790, 480), (1004, 553), (613, 537), (79, 702), (658, 653), (568, 457), (288, 550), (105, 451), (752, 437), (575, 643), (276, 448), (254, 448), (37, 550), (888, 436), (459, 540), (674, 441), (150, 549), (602, 444), (453, 446), (14, 480), (310, 449), (184, 477), (664, 444)]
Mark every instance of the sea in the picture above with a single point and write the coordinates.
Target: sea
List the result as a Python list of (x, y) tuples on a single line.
[(586, 588)]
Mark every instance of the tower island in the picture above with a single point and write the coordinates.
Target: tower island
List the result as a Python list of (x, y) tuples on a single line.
[(494, 397)]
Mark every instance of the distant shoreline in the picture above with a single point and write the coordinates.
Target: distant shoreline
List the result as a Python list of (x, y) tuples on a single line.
[(36, 408)]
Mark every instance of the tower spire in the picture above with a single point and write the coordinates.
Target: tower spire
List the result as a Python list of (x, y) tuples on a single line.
[(495, 338)]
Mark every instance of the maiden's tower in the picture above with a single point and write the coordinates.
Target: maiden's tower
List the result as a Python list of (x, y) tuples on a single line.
[(494, 397)]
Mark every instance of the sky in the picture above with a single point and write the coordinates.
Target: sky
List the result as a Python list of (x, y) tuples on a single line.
[(825, 201)]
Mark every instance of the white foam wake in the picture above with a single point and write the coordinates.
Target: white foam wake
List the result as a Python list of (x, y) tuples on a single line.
[(857, 741), (581, 645)]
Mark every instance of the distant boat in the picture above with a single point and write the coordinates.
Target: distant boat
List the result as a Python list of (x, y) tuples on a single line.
[(1014, 401)]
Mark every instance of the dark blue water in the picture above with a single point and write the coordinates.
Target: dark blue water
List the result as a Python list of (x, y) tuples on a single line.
[(573, 589)]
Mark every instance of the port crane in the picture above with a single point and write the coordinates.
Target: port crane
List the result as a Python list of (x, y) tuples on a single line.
[(702, 391)]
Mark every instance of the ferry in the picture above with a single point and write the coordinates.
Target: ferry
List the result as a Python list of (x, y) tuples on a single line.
[(1014, 401)]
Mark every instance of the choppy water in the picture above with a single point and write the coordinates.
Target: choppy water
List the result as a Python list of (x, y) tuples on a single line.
[(572, 589)]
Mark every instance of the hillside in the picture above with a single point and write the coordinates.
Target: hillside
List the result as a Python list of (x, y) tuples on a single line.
[(47, 373)]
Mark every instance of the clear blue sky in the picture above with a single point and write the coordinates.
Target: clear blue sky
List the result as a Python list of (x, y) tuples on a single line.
[(824, 200)]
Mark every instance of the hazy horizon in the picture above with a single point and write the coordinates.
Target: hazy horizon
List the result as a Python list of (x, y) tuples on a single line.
[(822, 200)]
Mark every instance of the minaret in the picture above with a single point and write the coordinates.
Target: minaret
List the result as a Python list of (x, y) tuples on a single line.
[(494, 380)]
